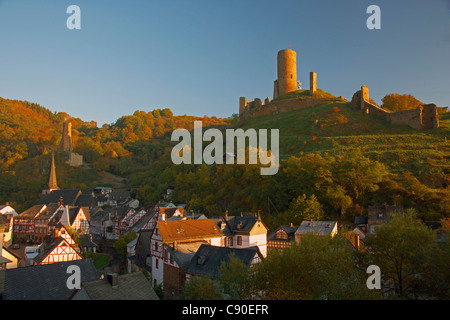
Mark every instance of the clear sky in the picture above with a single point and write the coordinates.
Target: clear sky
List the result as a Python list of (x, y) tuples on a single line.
[(197, 57)]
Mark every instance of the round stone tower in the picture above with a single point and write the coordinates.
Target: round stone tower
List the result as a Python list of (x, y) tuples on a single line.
[(287, 71)]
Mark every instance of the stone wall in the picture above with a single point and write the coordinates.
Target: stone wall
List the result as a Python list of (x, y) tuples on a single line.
[(424, 117), (256, 108)]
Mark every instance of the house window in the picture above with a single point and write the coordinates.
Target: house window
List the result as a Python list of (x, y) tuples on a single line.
[(230, 241), (281, 235), (156, 247), (239, 240), (157, 263)]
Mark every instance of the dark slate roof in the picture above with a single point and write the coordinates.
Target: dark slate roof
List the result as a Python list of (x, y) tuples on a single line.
[(141, 222), (131, 286), (69, 197), (290, 230), (30, 213), (45, 282), (385, 211), (239, 224), (208, 259), (86, 200), (361, 220), (321, 228), (85, 241), (101, 215)]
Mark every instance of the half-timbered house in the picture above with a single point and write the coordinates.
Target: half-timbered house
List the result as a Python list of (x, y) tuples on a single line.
[(282, 237), (56, 250), (24, 222), (178, 238)]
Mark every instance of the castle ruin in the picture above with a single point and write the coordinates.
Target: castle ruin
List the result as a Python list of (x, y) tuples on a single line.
[(286, 83), (66, 145), (424, 117)]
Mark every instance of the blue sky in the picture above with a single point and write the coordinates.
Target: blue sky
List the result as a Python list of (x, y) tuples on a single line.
[(198, 57)]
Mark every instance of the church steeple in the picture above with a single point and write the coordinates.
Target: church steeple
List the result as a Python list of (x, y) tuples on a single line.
[(52, 185)]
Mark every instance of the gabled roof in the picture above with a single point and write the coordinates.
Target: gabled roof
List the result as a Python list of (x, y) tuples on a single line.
[(85, 241), (183, 252), (85, 200), (385, 211), (321, 228), (180, 230), (48, 211), (241, 224), (73, 213), (68, 196), (7, 209), (289, 229), (45, 282), (142, 221), (32, 212), (208, 259), (5, 222), (131, 286), (48, 246)]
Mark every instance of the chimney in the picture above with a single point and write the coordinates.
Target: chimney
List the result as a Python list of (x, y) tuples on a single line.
[(113, 279)]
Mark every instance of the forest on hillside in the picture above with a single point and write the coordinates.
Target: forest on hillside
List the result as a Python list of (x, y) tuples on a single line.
[(331, 168)]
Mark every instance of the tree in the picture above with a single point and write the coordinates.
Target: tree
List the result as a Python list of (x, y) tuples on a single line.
[(234, 277), (319, 267), (400, 249), (121, 244), (200, 288), (398, 102), (303, 208)]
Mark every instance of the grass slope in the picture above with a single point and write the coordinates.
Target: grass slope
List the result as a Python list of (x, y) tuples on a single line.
[(336, 127)]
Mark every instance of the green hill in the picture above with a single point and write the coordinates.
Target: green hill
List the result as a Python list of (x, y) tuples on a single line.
[(338, 128)]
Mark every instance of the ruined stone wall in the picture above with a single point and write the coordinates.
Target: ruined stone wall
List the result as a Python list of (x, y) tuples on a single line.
[(421, 118), (430, 117), (375, 111), (412, 118), (256, 108)]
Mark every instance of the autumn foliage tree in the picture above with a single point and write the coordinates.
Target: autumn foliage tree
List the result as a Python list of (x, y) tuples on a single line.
[(398, 102)]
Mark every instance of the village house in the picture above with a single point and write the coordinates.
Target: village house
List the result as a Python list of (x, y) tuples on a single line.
[(77, 218), (173, 243), (318, 228), (7, 209), (8, 259), (282, 237), (41, 221), (207, 260), (58, 247), (143, 258), (44, 282), (378, 215), (131, 286), (244, 231), (147, 222), (24, 222), (6, 229)]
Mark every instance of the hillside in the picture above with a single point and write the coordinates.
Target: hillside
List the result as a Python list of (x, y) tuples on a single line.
[(26, 128), (338, 128), (342, 157)]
